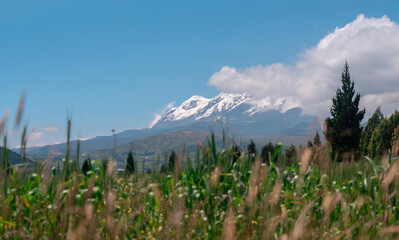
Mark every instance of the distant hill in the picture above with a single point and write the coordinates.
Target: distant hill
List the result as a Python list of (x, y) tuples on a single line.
[(13, 157)]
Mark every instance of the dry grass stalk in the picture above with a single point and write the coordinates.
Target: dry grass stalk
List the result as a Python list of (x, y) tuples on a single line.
[(195, 215), (173, 226), (76, 233), (368, 225), (276, 193), (271, 226), (347, 234), (110, 199), (385, 161), (305, 160), (321, 157), (362, 200), (215, 176), (306, 155), (157, 193), (330, 201), (110, 168), (121, 224), (254, 182), (20, 109), (390, 176), (177, 214), (284, 237), (300, 223), (3, 121), (229, 225), (389, 230), (284, 215)]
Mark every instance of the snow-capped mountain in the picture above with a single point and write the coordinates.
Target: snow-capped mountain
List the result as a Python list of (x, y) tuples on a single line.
[(239, 114), (200, 108), (196, 116)]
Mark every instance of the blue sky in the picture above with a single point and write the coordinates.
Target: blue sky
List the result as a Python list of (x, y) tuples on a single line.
[(112, 65)]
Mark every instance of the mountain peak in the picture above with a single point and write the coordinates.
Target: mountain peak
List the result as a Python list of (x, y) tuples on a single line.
[(198, 107)]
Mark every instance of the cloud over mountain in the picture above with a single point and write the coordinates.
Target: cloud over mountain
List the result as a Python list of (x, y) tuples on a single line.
[(370, 45)]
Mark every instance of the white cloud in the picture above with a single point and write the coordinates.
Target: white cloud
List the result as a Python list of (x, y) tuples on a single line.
[(36, 135), (44, 135), (49, 128), (370, 45), (158, 115), (40, 138)]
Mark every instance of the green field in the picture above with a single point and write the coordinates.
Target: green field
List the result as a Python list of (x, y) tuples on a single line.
[(206, 197)]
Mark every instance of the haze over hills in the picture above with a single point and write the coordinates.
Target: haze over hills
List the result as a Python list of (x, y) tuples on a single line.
[(191, 122)]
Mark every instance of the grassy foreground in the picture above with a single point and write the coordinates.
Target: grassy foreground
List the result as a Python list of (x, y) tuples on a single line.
[(208, 197)]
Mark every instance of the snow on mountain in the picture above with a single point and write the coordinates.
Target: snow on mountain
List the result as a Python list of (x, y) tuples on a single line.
[(197, 107)]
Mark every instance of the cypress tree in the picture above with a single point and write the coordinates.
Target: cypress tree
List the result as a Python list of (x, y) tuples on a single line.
[(343, 128), (85, 167), (252, 150), (130, 163), (172, 160), (309, 144), (268, 152)]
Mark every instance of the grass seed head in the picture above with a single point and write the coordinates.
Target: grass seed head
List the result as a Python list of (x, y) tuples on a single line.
[(215, 175), (229, 225), (305, 160), (300, 223), (20, 109), (276, 193), (254, 181), (390, 176), (3, 122)]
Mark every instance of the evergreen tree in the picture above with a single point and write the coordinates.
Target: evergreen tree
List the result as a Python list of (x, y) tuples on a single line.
[(309, 144), (85, 167), (395, 141), (236, 153), (252, 150), (172, 160), (372, 124), (130, 163), (290, 153), (316, 140), (268, 152), (381, 138), (343, 128)]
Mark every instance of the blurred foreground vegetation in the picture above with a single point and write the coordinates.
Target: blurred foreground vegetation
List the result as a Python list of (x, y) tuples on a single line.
[(212, 196)]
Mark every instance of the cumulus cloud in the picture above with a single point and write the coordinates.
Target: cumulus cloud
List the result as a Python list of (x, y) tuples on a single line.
[(44, 135), (158, 115), (40, 138), (49, 128), (370, 45)]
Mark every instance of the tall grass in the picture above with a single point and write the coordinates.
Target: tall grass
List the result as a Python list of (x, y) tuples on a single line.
[(212, 199)]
